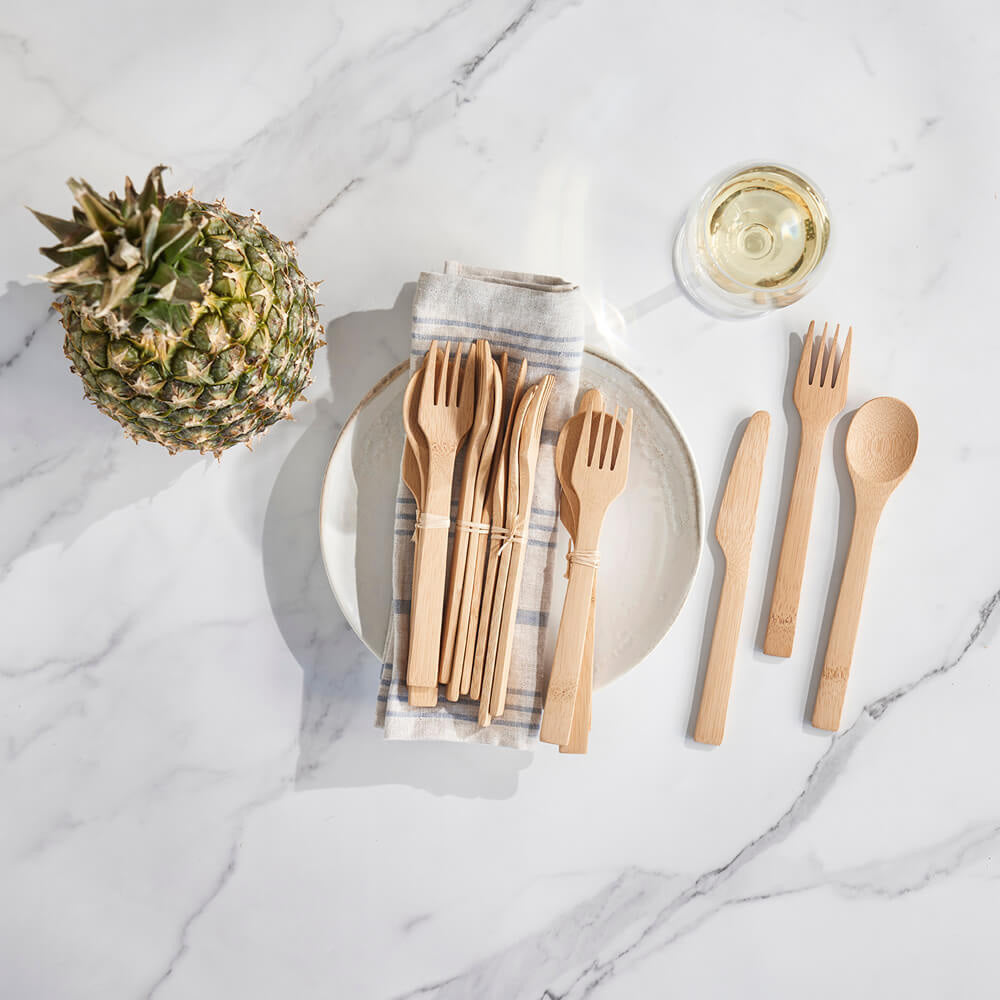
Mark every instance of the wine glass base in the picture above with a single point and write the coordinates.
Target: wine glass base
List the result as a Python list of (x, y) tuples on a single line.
[(705, 293)]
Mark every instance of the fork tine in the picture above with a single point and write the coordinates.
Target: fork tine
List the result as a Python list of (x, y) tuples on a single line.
[(456, 373), (582, 459), (626, 441), (596, 457), (441, 388), (805, 362), (485, 369), (829, 359), (478, 371), (430, 367), (816, 372), (845, 361), (608, 434)]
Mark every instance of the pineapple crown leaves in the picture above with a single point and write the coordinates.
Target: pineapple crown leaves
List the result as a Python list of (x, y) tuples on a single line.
[(137, 261)]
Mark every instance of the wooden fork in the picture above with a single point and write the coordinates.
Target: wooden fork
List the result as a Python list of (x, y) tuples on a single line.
[(494, 512), (472, 587), (569, 511), (415, 458), (504, 552), (482, 361), (527, 460), (598, 477), (820, 394), (445, 416)]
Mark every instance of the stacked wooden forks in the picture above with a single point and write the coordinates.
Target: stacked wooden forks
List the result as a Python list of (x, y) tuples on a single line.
[(462, 621), (592, 458)]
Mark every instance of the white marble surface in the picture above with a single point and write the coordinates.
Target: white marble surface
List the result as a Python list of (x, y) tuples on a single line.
[(195, 803)]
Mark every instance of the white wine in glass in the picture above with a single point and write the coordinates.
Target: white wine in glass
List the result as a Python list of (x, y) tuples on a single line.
[(753, 241)]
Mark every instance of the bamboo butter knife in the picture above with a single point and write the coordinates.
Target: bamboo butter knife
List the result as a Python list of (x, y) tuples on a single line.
[(734, 530)]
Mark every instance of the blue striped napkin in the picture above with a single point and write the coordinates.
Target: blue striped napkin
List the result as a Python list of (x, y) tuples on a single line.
[(540, 319)]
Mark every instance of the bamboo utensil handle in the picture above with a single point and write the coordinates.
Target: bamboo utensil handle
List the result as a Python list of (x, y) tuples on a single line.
[(491, 591), (487, 705), (560, 698), (844, 632), (470, 619), (781, 621), (427, 607), (498, 696), (418, 697), (449, 633), (580, 733), (711, 724)]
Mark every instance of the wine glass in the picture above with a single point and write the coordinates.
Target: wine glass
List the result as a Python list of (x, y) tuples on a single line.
[(754, 240)]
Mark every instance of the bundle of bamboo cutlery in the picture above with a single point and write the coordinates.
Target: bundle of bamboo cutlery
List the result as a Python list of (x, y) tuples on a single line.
[(592, 458), (462, 615), (462, 622)]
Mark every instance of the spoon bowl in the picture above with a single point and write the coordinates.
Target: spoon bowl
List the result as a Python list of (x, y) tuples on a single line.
[(881, 442)]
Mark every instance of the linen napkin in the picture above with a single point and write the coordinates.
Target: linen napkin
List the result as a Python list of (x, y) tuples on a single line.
[(540, 319)]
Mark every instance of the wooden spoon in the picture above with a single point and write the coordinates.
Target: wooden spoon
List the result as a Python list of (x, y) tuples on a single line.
[(881, 445)]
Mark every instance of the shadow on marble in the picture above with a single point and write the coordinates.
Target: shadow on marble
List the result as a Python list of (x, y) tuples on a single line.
[(719, 572), (339, 745), (67, 466), (844, 527)]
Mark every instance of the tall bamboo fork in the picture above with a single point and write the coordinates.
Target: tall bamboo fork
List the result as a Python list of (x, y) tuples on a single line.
[(820, 393), (494, 512), (445, 416), (599, 474), (527, 461), (415, 458), (468, 618), (479, 357), (569, 512)]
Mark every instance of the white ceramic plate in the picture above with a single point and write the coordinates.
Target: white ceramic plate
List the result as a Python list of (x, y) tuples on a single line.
[(650, 544)]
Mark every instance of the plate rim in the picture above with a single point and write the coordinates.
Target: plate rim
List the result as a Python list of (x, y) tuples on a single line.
[(386, 380)]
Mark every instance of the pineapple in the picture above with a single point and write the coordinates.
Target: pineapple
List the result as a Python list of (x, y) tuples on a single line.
[(190, 325)]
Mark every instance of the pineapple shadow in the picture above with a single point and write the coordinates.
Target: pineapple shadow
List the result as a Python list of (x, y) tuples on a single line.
[(339, 745), (66, 465)]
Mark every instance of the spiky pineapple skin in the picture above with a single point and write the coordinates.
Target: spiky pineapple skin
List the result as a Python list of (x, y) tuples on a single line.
[(236, 370)]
